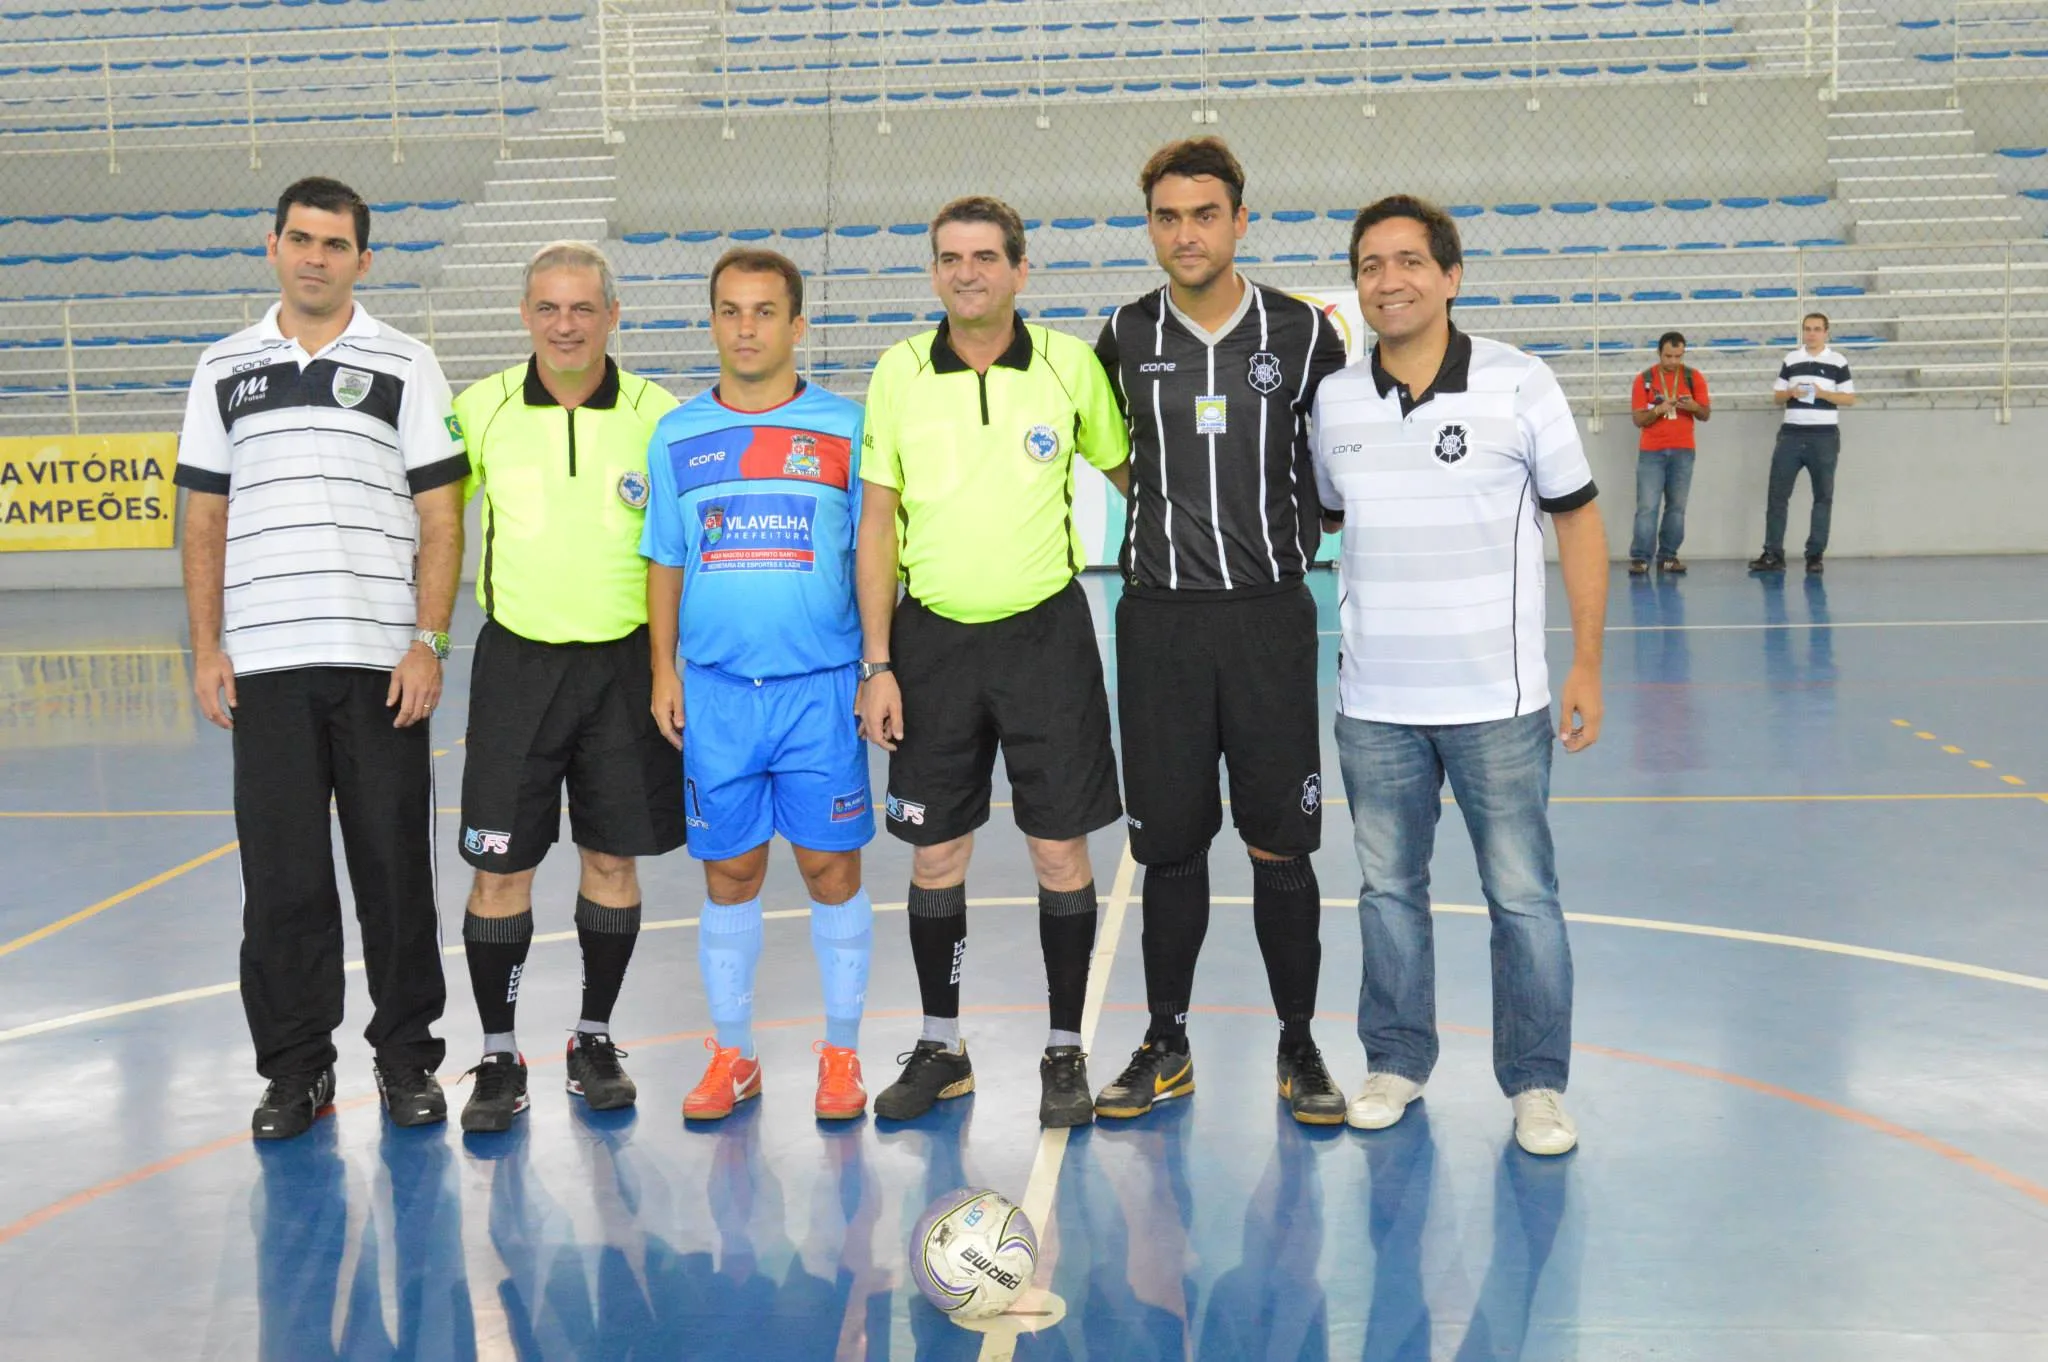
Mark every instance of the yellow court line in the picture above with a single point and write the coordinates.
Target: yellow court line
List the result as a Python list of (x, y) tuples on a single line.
[(82, 914)]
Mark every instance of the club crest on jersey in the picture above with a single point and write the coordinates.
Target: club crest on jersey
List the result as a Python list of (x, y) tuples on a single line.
[(1042, 443), (903, 811), (634, 489), (484, 842), (1453, 442), (1264, 372), (1312, 793), (803, 458), (351, 386), (714, 524)]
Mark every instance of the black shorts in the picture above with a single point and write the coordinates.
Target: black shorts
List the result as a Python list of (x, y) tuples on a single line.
[(1231, 679), (1031, 683), (540, 713)]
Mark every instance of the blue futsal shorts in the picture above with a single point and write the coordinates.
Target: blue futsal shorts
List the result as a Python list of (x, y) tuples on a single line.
[(779, 755)]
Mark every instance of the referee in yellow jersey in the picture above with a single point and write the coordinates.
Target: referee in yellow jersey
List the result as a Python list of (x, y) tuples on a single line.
[(560, 688), (969, 444)]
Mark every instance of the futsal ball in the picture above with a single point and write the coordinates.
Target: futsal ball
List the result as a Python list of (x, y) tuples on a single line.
[(973, 1253)]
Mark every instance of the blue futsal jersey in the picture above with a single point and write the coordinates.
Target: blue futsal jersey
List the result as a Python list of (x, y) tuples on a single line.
[(759, 510)]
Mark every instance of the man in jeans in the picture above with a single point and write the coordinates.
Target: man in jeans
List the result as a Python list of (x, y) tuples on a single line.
[(1667, 399), (1440, 455), (1813, 386)]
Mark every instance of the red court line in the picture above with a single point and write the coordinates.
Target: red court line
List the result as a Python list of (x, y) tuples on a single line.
[(2005, 1177)]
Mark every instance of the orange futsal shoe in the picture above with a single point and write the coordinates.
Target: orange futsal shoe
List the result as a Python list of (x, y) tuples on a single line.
[(728, 1081), (841, 1097)]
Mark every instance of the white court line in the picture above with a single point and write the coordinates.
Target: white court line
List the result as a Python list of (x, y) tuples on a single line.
[(1803, 943), (1052, 1145)]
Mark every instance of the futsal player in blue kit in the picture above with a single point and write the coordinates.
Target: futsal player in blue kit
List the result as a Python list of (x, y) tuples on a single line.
[(754, 497)]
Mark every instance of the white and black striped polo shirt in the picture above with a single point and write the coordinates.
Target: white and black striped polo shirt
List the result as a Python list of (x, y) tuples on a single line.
[(1222, 497), (319, 457), (1828, 372), (1442, 496)]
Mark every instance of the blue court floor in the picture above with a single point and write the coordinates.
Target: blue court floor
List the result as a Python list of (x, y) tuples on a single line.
[(1807, 866)]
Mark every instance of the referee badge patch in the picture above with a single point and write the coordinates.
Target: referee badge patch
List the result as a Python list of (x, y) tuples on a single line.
[(1264, 372), (1042, 443), (1212, 415), (351, 386), (633, 489), (1453, 442)]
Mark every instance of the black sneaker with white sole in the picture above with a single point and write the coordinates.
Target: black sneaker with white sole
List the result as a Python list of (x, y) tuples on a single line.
[(930, 1074), (1307, 1088), (412, 1094), (291, 1104), (595, 1074), (498, 1094), (1063, 1095)]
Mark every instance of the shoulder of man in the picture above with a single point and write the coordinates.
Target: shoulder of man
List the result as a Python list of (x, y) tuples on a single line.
[(907, 358), (386, 338), (641, 393), (248, 343), (1070, 356)]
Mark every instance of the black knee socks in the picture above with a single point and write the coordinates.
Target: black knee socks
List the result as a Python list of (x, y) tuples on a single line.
[(1066, 934), (1176, 901), (1287, 913)]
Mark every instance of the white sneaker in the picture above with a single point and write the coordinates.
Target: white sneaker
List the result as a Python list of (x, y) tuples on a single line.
[(1381, 1102), (1541, 1123)]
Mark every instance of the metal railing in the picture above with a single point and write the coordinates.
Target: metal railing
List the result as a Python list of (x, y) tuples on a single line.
[(1930, 325)]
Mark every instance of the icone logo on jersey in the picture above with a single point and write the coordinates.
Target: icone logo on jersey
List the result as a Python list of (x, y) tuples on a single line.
[(1156, 366), (699, 460)]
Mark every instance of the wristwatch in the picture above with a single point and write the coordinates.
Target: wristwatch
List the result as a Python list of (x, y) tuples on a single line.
[(435, 639), (870, 670)]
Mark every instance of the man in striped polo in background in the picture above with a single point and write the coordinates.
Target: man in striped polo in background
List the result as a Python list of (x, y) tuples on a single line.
[(1813, 386)]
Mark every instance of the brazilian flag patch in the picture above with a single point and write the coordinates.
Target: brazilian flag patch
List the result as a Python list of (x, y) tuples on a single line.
[(454, 424)]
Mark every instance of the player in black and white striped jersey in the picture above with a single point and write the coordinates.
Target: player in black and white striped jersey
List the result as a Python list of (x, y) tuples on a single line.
[(323, 466), (1813, 386), (1216, 630)]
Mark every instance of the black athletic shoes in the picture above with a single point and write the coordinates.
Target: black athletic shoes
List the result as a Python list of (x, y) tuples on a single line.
[(1306, 1087), (1063, 1098), (498, 1096), (1767, 562), (1155, 1074), (290, 1105), (412, 1095), (931, 1073), (595, 1075)]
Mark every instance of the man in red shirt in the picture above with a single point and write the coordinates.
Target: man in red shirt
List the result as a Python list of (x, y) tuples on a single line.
[(1668, 399)]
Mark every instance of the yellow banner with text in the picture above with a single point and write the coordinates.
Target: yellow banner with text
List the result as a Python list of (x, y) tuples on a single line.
[(87, 491)]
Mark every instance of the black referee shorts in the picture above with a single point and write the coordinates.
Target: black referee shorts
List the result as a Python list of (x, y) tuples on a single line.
[(543, 713), (1031, 684), (1219, 678)]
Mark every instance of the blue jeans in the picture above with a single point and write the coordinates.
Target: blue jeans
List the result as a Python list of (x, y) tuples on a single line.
[(1816, 449), (1500, 773), (1666, 475)]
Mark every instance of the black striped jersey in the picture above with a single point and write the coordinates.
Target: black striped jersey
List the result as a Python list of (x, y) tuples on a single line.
[(1223, 493), (319, 457)]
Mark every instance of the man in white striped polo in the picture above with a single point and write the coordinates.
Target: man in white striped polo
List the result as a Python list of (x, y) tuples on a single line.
[(323, 466), (1441, 455), (1813, 386)]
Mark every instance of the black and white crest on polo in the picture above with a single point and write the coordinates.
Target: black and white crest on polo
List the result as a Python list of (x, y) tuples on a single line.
[(1453, 440), (1264, 372)]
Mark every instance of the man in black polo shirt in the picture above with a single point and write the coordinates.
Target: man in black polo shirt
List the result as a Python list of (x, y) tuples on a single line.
[(1216, 631)]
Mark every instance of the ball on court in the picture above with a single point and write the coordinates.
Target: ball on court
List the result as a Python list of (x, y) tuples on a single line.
[(973, 1253)]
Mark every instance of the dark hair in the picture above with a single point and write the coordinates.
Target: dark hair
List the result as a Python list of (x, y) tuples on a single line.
[(1444, 247), (1821, 317), (1195, 156), (751, 261), (1671, 338), (329, 196), (982, 208)]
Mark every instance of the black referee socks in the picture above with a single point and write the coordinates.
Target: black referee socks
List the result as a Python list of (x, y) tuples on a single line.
[(1066, 934), (607, 936), (938, 943), (496, 950), (1176, 900), (1287, 912)]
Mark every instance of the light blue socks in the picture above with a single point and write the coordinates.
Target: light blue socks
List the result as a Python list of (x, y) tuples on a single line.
[(728, 948), (843, 936)]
